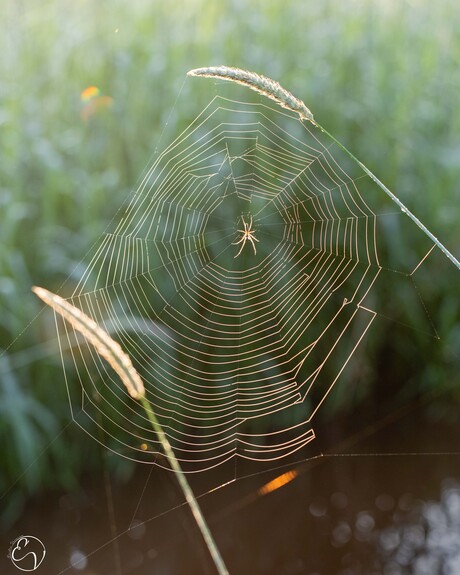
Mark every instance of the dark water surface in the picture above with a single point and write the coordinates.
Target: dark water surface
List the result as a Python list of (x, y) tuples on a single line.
[(364, 512)]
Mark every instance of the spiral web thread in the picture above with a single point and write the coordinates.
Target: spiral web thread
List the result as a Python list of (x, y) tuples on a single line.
[(238, 354)]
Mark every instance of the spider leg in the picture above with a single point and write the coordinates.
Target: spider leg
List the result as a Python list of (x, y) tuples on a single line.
[(239, 241), (251, 239), (243, 239)]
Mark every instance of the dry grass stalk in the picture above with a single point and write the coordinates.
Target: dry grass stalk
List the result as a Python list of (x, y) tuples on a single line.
[(105, 346), (111, 351), (261, 84)]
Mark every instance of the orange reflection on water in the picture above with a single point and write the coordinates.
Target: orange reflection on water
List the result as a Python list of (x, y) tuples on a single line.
[(278, 482)]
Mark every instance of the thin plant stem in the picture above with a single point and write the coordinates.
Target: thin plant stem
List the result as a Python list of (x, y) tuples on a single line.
[(395, 199), (185, 486), (120, 361)]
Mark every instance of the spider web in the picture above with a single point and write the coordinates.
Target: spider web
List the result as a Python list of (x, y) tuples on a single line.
[(238, 354)]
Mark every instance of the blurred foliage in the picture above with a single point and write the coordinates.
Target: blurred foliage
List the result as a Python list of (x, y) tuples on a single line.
[(382, 76)]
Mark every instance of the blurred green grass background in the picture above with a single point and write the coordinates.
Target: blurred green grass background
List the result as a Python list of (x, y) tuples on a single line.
[(382, 76)]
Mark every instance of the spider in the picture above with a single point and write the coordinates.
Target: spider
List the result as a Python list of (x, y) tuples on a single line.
[(248, 234)]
